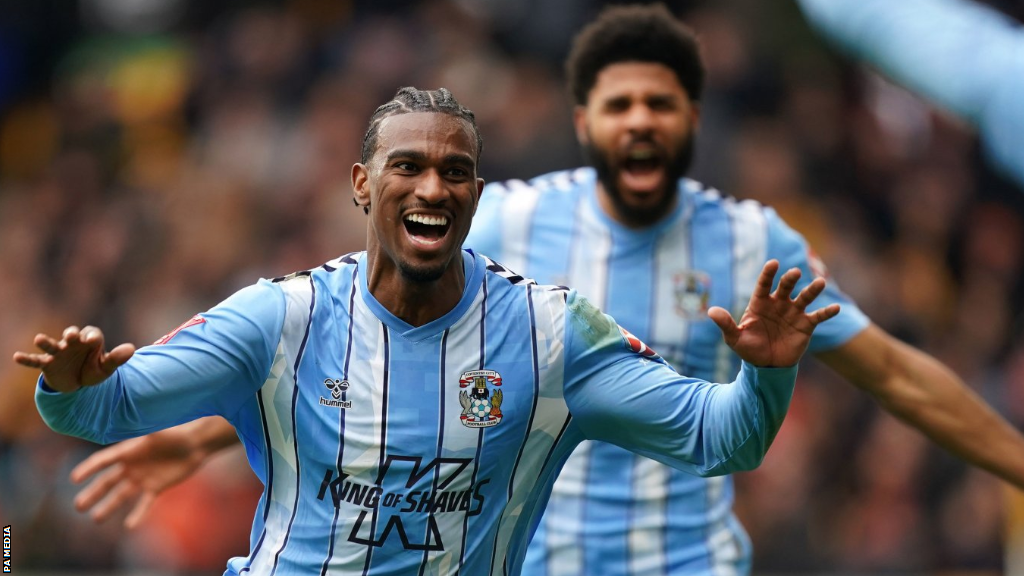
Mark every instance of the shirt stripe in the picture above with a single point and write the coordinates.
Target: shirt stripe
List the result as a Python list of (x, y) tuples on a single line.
[(385, 389), (277, 400), (341, 413), (480, 434)]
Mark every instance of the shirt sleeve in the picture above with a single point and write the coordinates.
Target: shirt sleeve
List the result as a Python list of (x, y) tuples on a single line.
[(793, 251), (963, 56), (211, 365), (620, 391)]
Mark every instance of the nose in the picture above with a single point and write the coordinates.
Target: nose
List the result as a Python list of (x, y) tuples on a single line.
[(639, 118), (431, 188)]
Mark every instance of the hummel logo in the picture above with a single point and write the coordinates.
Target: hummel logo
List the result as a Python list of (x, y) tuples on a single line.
[(336, 387)]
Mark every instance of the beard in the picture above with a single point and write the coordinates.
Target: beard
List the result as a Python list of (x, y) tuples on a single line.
[(422, 274), (675, 166)]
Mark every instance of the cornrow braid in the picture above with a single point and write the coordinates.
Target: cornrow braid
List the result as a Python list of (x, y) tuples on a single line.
[(411, 99)]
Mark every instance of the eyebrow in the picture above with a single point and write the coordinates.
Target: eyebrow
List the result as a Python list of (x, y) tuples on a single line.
[(656, 97), (463, 159), (410, 154)]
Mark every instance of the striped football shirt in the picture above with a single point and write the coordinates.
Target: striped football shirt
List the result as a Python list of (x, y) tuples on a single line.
[(389, 449), (613, 512)]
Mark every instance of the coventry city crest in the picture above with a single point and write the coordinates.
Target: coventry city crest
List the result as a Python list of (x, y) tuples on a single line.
[(692, 290), (481, 406)]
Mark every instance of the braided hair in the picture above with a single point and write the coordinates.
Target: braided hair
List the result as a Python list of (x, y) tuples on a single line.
[(411, 99), (634, 33)]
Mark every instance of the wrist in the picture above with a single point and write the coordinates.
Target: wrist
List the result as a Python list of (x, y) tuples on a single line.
[(210, 435), (44, 385)]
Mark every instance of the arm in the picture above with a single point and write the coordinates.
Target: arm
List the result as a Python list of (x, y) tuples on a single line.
[(921, 391), (621, 392), (965, 57), (140, 469), (210, 366)]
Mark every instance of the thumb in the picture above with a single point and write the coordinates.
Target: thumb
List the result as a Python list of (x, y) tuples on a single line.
[(725, 323), (117, 357)]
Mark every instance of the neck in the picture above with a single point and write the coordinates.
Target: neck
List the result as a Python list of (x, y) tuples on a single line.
[(415, 302)]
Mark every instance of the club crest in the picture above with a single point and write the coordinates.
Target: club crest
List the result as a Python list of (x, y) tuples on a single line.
[(692, 289), (481, 405)]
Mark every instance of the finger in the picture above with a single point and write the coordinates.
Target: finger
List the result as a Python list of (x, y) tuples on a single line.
[(69, 336), (119, 497), (117, 357), (98, 461), (45, 343), (823, 314), (725, 323), (809, 293), (90, 335), (32, 360), (139, 511), (787, 283), (103, 484), (764, 282)]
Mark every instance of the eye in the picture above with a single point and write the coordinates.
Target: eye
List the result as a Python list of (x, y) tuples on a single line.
[(617, 105), (405, 166), (457, 172), (662, 104)]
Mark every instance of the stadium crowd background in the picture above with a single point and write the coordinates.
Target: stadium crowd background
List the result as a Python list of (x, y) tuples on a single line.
[(156, 156)]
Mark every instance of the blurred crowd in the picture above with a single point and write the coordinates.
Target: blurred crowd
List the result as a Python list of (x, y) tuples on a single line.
[(167, 153)]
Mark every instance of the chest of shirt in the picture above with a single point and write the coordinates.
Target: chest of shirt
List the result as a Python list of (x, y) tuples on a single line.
[(434, 411)]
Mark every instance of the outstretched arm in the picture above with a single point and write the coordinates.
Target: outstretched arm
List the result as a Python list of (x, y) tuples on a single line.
[(134, 472), (622, 392), (210, 365), (927, 395)]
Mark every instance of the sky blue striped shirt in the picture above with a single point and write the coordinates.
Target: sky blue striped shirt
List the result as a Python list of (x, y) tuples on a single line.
[(612, 512), (391, 449)]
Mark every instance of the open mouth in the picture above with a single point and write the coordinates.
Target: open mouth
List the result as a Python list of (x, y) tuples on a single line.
[(426, 229), (642, 169)]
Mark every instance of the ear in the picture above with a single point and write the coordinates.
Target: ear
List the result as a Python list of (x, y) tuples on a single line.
[(361, 185), (479, 192), (695, 116), (579, 120)]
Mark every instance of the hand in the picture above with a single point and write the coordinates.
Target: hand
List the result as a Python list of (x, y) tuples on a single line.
[(76, 360), (137, 471), (774, 330)]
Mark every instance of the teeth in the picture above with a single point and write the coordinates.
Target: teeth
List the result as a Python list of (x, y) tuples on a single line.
[(641, 154), (428, 220)]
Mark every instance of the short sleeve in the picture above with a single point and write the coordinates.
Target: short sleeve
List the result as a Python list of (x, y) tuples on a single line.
[(793, 251)]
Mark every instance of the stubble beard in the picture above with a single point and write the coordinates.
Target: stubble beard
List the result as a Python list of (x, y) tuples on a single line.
[(422, 274)]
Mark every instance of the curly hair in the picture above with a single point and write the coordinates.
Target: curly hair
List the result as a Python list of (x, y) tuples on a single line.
[(409, 99), (634, 33)]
